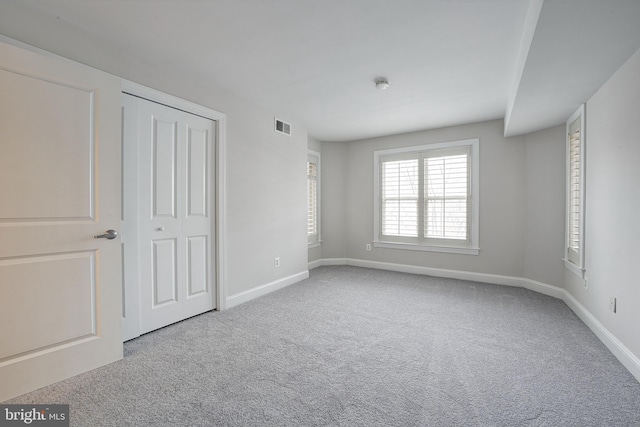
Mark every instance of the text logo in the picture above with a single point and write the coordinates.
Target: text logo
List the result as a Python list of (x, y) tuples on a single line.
[(34, 415)]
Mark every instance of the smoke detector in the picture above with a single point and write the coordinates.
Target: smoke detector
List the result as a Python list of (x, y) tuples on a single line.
[(382, 83)]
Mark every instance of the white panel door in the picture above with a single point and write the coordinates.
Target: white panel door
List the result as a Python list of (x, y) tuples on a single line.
[(60, 288), (175, 204)]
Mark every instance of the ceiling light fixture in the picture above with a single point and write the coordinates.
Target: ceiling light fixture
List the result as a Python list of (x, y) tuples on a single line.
[(382, 83)]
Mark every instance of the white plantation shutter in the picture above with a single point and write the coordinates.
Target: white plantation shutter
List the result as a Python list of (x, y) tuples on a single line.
[(574, 191), (574, 233), (400, 194), (313, 197), (424, 197), (446, 183)]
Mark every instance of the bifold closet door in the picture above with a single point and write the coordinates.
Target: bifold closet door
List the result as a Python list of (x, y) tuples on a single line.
[(175, 214)]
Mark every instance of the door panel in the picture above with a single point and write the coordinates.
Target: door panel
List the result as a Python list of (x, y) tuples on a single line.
[(164, 272), (60, 289), (68, 305), (197, 170), (197, 265), (164, 163), (46, 142)]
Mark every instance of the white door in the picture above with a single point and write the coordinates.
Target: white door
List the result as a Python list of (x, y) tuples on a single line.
[(60, 288), (175, 212)]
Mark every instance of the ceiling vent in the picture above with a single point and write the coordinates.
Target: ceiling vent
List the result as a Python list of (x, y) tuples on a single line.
[(283, 127)]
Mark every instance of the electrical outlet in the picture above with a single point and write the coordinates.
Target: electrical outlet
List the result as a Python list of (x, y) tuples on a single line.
[(612, 304), (276, 262), (367, 247)]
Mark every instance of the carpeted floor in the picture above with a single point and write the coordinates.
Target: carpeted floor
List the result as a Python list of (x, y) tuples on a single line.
[(359, 347)]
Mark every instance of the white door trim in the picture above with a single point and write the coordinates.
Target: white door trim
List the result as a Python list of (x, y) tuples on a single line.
[(220, 171)]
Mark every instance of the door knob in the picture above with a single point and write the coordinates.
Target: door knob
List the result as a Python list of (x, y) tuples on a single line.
[(109, 234)]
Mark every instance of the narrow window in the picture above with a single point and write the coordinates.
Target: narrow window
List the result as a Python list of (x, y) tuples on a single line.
[(574, 256), (313, 198)]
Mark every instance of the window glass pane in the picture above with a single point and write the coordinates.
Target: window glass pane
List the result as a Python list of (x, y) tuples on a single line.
[(400, 191), (446, 188), (446, 219), (400, 218), (400, 179), (446, 176)]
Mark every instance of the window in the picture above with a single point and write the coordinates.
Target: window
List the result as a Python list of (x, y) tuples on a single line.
[(574, 235), (313, 198), (427, 197)]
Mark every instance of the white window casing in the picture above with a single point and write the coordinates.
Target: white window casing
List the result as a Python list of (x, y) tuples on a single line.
[(426, 197), (313, 198), (575, 177)]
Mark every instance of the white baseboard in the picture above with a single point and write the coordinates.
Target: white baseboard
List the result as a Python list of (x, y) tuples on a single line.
[(617, 348), (327, 261), (267, 288), (622, 353), (495, 279), (315, 264)]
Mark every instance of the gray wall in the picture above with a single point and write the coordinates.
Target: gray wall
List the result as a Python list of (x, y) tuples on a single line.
[(314, 144), (545, 206), (334, 199), (266, 199), (521, 202), (501, 199), (612, 235)]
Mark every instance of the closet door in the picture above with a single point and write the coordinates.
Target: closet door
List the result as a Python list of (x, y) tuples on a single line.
[(175, 214), (60, 288)]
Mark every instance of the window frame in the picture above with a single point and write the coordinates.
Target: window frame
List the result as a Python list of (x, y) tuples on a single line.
[(574, 259), (314, 240), (467, 247)]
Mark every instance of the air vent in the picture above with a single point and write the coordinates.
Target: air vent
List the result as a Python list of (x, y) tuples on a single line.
[(283, 127)]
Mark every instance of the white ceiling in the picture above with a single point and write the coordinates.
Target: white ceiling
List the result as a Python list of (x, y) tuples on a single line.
[(449, 62)]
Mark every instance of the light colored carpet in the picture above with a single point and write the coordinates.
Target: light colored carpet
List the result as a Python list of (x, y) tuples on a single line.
[(359, 347)]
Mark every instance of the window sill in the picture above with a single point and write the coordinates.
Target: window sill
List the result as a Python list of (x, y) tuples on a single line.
[(315, 244), (578, 271), (442, 249)]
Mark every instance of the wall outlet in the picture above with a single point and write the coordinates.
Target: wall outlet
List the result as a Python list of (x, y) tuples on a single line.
[(367, 247), (612, 304), (276, 261)]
